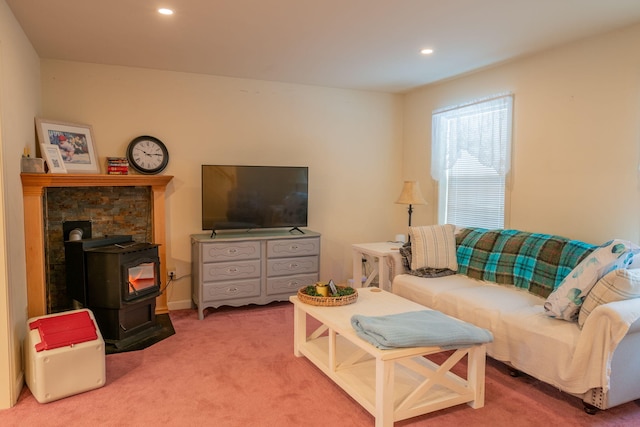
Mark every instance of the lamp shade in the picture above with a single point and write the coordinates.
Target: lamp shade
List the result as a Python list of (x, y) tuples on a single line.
[(411, 194)]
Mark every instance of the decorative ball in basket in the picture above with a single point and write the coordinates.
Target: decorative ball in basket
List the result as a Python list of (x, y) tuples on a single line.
[(327, 294)]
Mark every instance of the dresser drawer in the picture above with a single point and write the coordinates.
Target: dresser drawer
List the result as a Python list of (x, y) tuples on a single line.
[(293, 247), (230, 251), (231, 290), (289, 284), (289, 266), (222, 271)]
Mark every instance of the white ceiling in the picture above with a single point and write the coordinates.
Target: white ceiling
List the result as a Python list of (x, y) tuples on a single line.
[(358, 44)]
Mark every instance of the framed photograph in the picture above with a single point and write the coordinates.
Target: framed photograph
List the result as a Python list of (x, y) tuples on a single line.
[(75, 143), (51, 154)]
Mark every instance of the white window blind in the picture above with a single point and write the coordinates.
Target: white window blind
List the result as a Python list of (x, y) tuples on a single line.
[(471, 149)]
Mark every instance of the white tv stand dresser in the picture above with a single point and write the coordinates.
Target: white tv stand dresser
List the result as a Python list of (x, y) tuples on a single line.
[(252, 267)]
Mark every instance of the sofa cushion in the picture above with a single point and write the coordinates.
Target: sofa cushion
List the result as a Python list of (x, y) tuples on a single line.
[(617, 285), (427, 291), (474, 301), (433, 247), (564, 303), (532, 261)]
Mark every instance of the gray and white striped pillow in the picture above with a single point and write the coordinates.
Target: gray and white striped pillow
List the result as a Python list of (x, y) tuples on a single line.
[(433, 246), (617, 285)]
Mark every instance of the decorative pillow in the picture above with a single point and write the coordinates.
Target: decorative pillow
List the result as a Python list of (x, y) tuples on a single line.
[(433, 246), (405, 253), (617, 285), (565, 301)]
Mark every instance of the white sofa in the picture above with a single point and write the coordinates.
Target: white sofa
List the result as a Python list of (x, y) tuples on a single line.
[(596, 362)]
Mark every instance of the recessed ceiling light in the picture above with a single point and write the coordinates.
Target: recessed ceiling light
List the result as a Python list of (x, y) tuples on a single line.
[(165, 11), (426, 51)]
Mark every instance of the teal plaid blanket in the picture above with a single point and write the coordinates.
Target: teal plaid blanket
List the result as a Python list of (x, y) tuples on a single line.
[(532, 261)]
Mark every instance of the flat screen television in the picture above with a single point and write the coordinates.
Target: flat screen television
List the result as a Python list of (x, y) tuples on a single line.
[(248, 197)]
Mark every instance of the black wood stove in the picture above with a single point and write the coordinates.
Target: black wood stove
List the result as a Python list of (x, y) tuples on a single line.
[(118, 280)]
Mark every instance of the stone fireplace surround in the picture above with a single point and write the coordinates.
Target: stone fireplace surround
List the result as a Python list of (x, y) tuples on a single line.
[(34, 187)]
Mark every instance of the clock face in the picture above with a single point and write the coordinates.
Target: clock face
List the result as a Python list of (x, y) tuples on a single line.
[(147, 155)]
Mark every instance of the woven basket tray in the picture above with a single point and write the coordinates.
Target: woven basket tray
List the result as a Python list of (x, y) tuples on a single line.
[(327, 301)]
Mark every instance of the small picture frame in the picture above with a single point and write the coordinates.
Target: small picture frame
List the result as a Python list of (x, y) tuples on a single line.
[(51, 154), (332, 286), (75, 143)]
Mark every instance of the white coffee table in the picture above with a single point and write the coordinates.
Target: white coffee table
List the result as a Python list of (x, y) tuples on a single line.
[(393, 384)]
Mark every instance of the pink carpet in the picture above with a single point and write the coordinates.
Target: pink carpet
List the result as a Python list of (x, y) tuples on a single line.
[(237, 368)]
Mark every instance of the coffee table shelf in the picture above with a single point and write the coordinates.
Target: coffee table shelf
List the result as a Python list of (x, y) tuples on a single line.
[(393, 384)]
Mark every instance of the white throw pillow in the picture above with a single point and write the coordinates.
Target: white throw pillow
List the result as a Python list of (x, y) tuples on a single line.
[(433, 246), (617, 285), (565, 301)]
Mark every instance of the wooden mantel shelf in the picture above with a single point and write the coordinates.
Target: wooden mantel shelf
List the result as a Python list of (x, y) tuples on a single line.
[(42, 180), (33, 185)]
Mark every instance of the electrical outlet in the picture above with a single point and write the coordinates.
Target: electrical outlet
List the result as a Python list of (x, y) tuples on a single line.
[(172, 274)]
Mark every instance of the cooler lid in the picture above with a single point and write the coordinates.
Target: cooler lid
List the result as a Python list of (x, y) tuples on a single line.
[(64, 330)]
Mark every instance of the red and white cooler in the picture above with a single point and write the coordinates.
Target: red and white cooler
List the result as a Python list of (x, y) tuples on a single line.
[(64, 355)]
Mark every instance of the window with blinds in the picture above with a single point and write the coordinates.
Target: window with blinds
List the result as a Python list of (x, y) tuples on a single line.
[(472, 195), (471, 147)]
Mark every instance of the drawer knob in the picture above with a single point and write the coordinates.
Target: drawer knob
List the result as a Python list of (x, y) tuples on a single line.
[(233, 290), (233, 270), (233, 250), (293, 265)]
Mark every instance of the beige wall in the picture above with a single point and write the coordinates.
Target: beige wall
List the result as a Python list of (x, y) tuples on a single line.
[(350, 140), (576, 136), (19, 103)]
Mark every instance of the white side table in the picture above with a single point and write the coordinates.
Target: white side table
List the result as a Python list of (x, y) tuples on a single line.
[(380, 251)]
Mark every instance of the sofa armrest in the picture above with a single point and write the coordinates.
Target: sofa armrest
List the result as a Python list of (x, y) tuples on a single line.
[(607, 325), (624, 375), (396, 266), (626, 312)]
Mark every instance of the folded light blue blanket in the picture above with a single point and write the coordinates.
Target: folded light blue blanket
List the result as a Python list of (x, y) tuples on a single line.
[(425, 328)]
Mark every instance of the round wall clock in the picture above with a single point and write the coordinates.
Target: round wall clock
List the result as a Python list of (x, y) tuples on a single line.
[(147, 155)]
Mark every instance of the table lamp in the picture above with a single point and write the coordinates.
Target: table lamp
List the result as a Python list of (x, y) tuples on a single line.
[(411, 195)]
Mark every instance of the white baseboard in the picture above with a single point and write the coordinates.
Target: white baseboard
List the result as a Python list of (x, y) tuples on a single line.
[(180, 305)]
